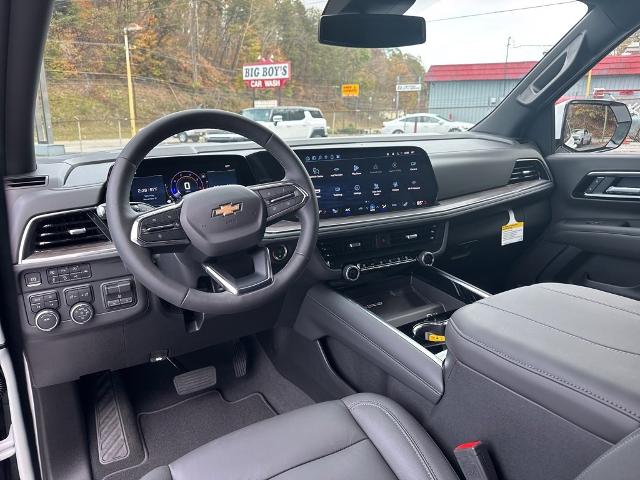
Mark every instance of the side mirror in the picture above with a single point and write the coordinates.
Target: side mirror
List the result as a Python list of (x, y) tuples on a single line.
[(276, 119), (595, 125)]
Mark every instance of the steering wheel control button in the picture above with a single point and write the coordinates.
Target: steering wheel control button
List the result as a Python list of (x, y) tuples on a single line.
[(281, 200), (118, 294), (81, 312), (47, 319), (279, 253), (159, 227)]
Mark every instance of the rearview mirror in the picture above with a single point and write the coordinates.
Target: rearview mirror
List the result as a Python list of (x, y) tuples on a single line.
[(595, 125), (276, 119), (366, 30)]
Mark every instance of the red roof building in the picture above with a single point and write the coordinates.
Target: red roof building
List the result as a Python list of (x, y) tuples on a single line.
[(611, 65)]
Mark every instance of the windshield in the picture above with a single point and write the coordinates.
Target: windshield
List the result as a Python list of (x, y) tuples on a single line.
[(112, 67)]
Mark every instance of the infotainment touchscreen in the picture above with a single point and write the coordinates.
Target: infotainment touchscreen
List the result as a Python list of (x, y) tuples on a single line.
[(358, 181)]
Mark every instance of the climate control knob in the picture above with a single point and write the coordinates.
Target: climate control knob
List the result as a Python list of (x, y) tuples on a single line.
[(426, 259), (81, 312), (47, 319), (351, 273)]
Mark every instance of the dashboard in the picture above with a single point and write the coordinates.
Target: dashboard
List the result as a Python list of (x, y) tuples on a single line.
[(383, 202), (347, 181)]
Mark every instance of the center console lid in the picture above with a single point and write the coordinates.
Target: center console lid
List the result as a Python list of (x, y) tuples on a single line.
[(572, 350)]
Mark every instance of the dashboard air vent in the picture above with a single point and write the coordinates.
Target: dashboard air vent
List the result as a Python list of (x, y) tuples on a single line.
[(527, 171), (65, 230), (21, 182)]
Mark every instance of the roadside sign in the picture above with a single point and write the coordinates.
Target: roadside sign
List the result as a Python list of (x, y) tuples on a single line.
[(351, 90), (266, 74), (409, 87), (265, 103)]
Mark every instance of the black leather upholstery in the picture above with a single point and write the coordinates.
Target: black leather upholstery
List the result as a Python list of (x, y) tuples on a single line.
[(571, 349), (620, 462), (363, 436)]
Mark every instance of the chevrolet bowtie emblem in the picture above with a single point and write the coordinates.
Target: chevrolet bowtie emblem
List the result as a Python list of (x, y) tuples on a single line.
[(226, 210)]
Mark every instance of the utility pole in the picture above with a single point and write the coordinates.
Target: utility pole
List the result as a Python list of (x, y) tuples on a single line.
[(397, 97), (132, 106), (44, 130), (193, 9), (506, 65)]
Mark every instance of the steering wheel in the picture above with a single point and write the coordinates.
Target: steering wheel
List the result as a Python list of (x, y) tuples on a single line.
[(212, 227)]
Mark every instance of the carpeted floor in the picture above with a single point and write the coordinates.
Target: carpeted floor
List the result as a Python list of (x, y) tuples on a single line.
[(175, 430), (161, 426)]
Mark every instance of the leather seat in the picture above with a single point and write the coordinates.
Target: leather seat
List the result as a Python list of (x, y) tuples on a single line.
[(364, 436)]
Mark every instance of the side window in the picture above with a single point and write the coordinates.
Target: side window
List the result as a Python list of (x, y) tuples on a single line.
[(615, 78), (316, 113), (296, 115)]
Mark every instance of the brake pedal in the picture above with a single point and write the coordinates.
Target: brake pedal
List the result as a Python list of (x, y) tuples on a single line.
[(195, 380)]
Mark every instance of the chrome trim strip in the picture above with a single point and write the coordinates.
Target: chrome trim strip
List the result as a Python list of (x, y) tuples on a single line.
[(630, 173), (230, 286), (612, 196), (440, 211), (221, 279), (472, 288), (385, 265)]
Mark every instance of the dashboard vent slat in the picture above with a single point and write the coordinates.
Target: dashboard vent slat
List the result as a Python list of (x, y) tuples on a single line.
[(22, 182), (65, 230), (528, 170)]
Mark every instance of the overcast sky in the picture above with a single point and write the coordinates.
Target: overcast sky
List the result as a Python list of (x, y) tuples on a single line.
[(481, 39)]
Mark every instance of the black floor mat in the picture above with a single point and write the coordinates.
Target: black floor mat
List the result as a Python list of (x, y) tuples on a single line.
[(175, 430)]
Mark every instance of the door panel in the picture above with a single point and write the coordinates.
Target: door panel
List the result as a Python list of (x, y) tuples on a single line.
[(594, 235)]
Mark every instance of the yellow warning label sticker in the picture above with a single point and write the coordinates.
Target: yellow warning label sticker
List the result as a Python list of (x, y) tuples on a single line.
[(512, 233), (432, 337)]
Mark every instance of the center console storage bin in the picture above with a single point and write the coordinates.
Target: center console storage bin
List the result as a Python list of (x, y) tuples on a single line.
[(402, 299), (572, 350)]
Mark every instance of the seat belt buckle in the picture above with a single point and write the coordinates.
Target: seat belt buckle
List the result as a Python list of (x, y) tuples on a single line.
[(474, 461)]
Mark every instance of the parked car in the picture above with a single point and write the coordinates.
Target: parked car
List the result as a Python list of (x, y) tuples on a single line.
[(424, 123), (581, 136), (222, 136), (290, 122), (191, 135)]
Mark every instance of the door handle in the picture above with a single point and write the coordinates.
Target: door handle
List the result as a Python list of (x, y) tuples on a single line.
[(623, 191)]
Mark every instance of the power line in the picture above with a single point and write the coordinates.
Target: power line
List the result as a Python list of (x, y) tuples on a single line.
[(508, 10)]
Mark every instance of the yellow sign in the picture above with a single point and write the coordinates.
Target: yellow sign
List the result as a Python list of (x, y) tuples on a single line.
[(351, 90)]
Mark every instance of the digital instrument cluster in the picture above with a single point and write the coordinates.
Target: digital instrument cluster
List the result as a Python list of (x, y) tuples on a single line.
[(160, 181), (358, 181)]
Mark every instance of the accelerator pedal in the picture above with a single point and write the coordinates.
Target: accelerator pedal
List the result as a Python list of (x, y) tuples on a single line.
[(240, 358), (195, 380), (112, 438)]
